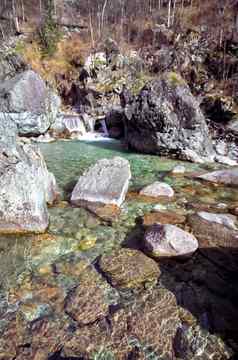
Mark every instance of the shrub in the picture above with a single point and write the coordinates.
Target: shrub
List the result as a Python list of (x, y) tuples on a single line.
[(49, 33)]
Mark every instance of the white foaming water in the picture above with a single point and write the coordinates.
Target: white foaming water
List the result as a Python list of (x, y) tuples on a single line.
[(94, 136), (74, 123)]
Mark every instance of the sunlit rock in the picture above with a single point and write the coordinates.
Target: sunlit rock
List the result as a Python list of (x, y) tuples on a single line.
[(27, 101), (157, 189), (25, 186), (169, 241), (227, 176), (106, 182), (127, 268)]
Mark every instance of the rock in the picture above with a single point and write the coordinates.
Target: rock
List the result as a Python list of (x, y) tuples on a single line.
[(111, 49), (25, 186), (31, 311), (87, 302), (106, 182), (169, 241), (191, 155), (146, 328), (227, 176), (221, 148), (115, 120), (163, 35), (46, 178), (127, 268), (214, 230), (165, 118), (157, 189), (164, 217), (97, 60), (225, 160), (233, 127), (27, 101), (46, 138), (222, 219), (10, 65), (162, 60), (179, 169)]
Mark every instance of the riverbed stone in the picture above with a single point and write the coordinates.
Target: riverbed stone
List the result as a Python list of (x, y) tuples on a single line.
[(157, 189), (149, 326), (128, 268), (106, 182), (87, 302), (227, 176), (169, 241), (222, 219), (179, 169), (214, 230), (163, 217)]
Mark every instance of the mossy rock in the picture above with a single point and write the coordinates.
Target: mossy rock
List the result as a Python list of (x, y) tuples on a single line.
[(129, 268)]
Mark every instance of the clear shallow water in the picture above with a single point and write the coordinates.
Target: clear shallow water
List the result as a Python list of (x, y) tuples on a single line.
[(25, 266), (74, 229), (68, 159)]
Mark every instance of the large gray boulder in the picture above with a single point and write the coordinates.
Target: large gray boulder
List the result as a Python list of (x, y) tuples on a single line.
[(106, 182), (25, 186), (29, 103), (169, 241), (165, 118), (227, 176)]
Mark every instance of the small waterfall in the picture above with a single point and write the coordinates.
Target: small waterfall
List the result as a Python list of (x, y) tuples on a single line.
[(104, 128), (74, 124)]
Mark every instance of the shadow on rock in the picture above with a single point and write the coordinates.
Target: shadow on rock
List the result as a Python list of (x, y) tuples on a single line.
[(206, 285)]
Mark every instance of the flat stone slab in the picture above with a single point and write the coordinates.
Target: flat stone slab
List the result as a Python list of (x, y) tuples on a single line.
[(129, 268), (106, 182)]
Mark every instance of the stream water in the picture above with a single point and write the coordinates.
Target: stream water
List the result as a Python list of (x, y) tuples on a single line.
[(76, 230)]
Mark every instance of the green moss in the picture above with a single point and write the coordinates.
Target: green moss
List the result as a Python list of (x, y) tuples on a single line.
[(139, 82), (175, 79)]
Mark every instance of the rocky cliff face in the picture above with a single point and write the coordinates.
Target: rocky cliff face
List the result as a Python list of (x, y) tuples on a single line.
[(165, 118)]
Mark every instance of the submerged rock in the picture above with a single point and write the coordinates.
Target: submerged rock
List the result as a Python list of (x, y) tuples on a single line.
[(147, 328), (163, 217), (106, 182), (26, 100), (127, 268), (227, 176), (157, 189), (169, 241), (87, 302), (165, 118)]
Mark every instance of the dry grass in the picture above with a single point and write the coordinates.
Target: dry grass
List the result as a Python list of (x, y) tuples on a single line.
[(70, 52)]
